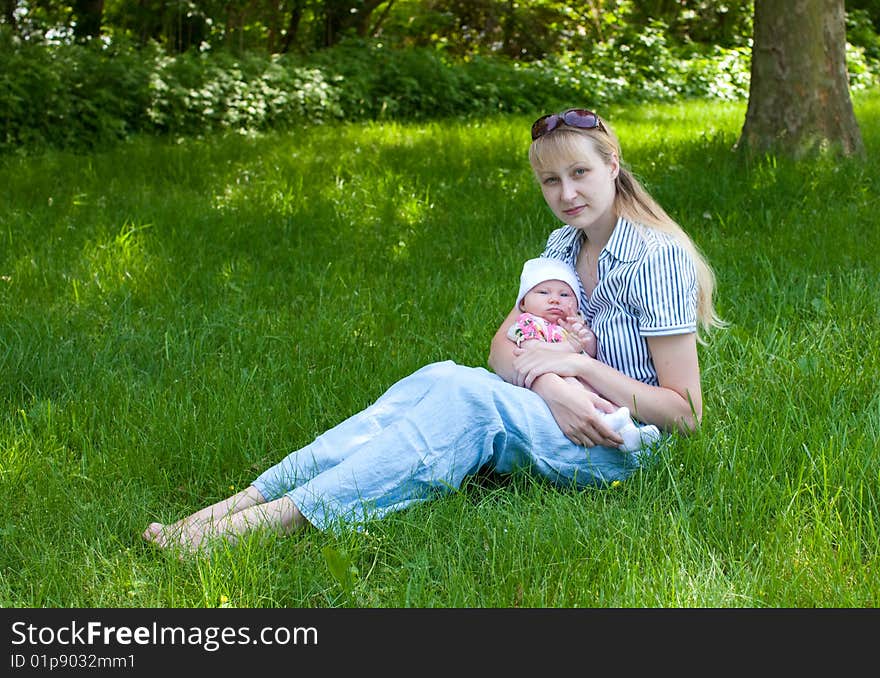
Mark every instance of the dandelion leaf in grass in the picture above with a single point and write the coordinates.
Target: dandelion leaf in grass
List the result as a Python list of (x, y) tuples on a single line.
[(339, 565)]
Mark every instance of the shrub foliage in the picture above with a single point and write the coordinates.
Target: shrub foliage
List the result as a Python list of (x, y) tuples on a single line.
[(82, 96)]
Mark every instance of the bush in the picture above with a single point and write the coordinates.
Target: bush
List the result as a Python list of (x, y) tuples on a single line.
[(419, 83), (83, 96), (72, 96), (193, 93)]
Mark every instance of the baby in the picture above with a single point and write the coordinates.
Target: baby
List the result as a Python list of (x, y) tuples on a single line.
[(548, 298)]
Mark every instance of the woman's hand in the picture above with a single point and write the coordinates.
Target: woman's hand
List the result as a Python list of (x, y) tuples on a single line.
[(538, 359), (578, 411)]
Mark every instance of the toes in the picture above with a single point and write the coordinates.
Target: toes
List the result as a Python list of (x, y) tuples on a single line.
[(152, 532), (157, 534)]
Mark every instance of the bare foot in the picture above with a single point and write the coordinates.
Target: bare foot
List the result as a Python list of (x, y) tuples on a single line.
[(177, 536), (153, 532), (198, 531)]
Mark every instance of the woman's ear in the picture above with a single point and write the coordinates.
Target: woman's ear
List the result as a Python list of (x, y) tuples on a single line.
[(615, 165)]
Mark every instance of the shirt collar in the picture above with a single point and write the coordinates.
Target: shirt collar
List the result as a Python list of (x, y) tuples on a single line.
[(625, 242)]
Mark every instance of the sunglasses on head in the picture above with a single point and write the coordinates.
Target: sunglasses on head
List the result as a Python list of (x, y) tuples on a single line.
[(573, 117)]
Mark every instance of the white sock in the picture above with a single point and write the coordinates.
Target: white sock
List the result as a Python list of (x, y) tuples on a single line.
[(634, 437)]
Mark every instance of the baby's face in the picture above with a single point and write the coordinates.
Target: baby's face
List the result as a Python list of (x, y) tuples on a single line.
[(552, 300)]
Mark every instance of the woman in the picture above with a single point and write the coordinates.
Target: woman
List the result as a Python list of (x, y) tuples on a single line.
[(645, 290)]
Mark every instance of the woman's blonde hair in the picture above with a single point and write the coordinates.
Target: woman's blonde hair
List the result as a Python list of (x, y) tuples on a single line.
[(631, 201)]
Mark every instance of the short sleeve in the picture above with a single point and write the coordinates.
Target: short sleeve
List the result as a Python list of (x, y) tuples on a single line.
[(664, 291)]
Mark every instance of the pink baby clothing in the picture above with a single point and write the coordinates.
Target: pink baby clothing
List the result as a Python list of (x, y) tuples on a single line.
[(529, 326)]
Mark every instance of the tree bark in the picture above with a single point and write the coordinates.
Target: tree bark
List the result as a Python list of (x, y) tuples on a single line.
[(799, 99), (89, 15), (292, 27), (9, 14), (344, 15)]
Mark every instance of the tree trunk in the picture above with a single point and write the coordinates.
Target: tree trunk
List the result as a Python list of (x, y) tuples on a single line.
[(799, 99), (9, 14), (89, 14), (292, 26), (341, 16), (377, 25)]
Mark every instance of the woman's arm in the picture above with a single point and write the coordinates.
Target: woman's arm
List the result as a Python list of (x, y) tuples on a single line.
[(501, 349), (580, 338), (577, 410), (677, 403)]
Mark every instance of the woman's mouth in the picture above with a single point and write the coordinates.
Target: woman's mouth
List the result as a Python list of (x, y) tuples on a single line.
[(574, 211)]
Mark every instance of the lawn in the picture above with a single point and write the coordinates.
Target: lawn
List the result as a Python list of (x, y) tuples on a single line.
[(178, 314)]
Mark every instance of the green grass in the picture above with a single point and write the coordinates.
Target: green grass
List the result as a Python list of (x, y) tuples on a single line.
[(176, 316)]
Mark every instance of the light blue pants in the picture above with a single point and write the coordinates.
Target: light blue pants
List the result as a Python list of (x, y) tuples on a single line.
[(423, 437)]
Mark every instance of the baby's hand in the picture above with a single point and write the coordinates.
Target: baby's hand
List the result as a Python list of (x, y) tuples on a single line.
[(580, 336)]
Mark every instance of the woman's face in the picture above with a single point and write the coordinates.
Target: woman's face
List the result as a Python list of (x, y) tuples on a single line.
[(579, 187)]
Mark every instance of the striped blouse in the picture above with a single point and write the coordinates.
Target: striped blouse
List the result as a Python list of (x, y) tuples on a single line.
[(647, 287)]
